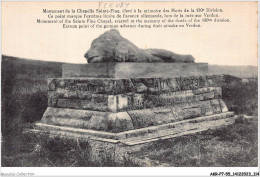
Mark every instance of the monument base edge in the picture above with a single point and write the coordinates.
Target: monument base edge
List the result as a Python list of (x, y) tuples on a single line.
[(173, 130)]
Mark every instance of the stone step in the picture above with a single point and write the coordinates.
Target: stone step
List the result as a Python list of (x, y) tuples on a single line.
[(175, 127), (185, 131), (130, 120), (143, 135)]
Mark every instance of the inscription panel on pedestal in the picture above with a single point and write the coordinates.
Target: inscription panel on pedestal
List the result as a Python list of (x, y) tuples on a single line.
[(135, 85)]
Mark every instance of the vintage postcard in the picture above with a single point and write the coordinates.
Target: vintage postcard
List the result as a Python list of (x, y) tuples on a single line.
[(129, 84)]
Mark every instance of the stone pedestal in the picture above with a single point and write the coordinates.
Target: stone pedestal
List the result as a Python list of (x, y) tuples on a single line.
[(134, 70), (119, 103)]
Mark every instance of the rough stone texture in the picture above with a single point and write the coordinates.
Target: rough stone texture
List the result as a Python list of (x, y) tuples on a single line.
[(143, 135), (74, 118), (125, 94), (112, 47), (128, 101), (160, 115), (133, 119), (84, 119), (114, 86), (134, 70), (101, 105)]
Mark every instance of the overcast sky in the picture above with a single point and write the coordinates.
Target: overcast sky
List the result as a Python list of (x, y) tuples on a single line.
[(232, 43)]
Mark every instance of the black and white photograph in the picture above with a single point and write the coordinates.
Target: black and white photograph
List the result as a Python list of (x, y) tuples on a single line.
[(129, 84)]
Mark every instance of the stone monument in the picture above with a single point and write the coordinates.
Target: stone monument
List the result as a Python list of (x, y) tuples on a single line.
[(129, 96)]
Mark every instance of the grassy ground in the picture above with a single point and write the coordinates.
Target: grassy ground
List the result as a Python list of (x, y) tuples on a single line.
[(240, 97), (232, 146), (24, 100), (24, 96)]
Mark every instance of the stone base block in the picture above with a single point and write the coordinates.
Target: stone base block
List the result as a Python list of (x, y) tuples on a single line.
[(128, 101), (134, 70), (132, 119), (143, 135)]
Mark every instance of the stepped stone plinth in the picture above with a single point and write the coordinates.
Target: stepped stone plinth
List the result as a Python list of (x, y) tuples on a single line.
[(134, 103)]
